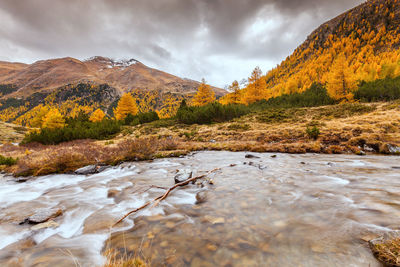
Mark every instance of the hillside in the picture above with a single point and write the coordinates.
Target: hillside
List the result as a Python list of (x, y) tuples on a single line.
[(359, 45), (124, 76), (75, 85)]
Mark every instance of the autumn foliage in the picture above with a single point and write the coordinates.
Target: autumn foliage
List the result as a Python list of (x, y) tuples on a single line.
[(204, 95), (97, 115), (361, 45), (126, 105), (53, 120)]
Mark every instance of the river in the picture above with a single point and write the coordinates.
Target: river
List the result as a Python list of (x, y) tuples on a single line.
[(275, 210)]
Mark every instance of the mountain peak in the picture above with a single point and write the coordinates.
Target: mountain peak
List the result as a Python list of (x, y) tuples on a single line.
[(112, 63)]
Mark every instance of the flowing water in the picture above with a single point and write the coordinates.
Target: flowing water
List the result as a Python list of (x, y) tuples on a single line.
[(288, 210)]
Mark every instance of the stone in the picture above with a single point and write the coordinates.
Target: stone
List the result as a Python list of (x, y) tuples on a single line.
[(201, 197), (212, 141), (211, 247), (22, 179), (183, 175), (393, 149), (48, 224), (113, 193), (43, 215), (251, 156), (368, 149), (369, 237), (213, 220), (273, 156), (361, 153), (90, 169)]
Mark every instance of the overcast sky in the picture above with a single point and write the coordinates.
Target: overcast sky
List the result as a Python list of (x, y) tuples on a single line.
[(220, 40)]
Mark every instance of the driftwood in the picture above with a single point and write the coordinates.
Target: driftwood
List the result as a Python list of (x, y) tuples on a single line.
[(157, 200)]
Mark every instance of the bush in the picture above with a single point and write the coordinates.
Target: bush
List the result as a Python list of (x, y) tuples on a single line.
[(141, 118), (314, 96), (313, 132), (9, 161), (380, 90), (74, 130), (214, 112)]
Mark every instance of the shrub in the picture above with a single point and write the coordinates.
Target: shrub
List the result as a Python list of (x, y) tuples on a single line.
[(141, 118), (313, 132), (76, 129), (380, 90), (214, 112), (9, 161), (314, 96)]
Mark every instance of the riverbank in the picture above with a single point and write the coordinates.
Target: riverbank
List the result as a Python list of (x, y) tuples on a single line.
[(339, 129)]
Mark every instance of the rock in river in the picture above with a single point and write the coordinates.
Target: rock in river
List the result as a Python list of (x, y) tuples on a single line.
[(251, 156), (43, 215), (183, 175), (48, 224), (201, 197), (90, 169)]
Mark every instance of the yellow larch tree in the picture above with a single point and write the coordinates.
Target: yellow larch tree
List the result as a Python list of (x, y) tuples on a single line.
[(97, 115), (53, 119), (257, 86), (235, 95), (204, 95), (126, 105), (340, 81)]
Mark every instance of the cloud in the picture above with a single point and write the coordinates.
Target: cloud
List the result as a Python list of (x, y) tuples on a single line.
[(220, 40)]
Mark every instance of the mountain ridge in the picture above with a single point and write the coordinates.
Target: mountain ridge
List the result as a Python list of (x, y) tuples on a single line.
[(125, 76), (360, 45)]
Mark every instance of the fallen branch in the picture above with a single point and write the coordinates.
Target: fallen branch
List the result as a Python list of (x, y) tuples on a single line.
[(157, 200)]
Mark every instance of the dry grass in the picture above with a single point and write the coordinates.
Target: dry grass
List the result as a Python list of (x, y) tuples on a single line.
[(388, 252), (67, 157), (343, 129), (114, 259), (11, 132)]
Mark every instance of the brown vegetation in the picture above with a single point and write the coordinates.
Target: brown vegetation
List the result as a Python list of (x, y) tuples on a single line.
[(114, 259), (388, 252), (36, 159), (349, 128)]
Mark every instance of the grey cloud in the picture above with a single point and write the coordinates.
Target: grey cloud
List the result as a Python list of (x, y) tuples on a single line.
[(182, 36)]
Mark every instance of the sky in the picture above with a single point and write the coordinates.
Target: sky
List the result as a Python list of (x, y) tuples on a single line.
[(219, 40)]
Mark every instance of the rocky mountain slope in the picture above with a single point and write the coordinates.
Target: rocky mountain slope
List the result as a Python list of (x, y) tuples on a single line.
[(122, 75)]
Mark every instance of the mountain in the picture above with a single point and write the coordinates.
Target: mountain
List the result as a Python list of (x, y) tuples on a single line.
[(124, 76), (360, 45), (73, 86)]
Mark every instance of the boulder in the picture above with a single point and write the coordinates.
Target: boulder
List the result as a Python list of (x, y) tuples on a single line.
[(183, 175), (385, 247), (48, 224), (251, 156), (90, 169), (43, 215)]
